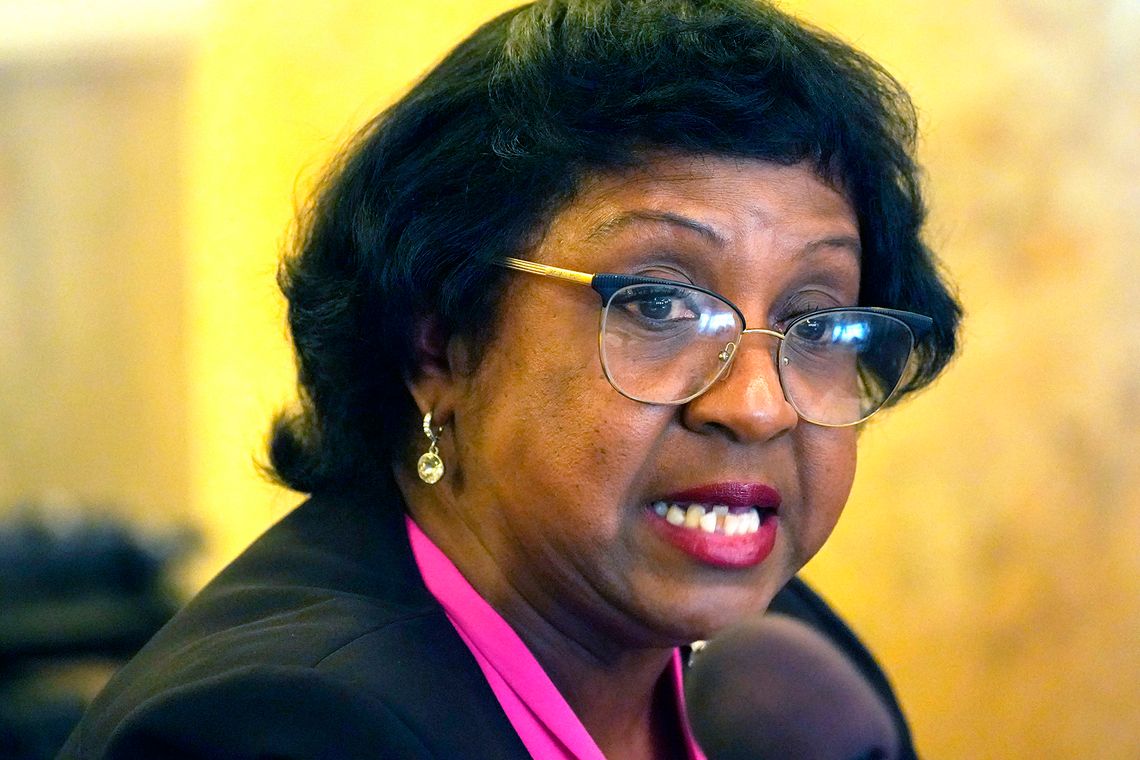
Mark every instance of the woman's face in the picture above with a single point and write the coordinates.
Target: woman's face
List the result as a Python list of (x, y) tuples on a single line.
[(554, 476)]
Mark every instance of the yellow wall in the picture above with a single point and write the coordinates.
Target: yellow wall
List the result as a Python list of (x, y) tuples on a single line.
[(989, 551), (92, 314)]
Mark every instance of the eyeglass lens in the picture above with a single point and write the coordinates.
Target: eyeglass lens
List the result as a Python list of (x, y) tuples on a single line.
[(838, 368), (667, 344)]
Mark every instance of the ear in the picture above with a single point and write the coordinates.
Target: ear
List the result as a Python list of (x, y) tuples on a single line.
[(436, 381)]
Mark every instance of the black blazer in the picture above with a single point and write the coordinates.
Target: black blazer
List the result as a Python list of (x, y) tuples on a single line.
[(321, 641)]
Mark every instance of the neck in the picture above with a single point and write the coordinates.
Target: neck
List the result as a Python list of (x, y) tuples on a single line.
[(618, 687), (628, 706), (622, 694)]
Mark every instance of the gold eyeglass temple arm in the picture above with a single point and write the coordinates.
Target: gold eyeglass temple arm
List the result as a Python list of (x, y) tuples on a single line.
[(521, 265)]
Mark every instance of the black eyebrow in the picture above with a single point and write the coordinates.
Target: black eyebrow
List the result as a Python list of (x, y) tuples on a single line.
[(615, 223), (849, 242)]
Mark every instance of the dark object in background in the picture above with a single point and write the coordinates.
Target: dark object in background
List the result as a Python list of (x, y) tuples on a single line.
[(772, 688), (78, 596)]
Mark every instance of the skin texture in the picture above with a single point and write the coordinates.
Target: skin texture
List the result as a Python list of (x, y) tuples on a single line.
[(550, 469)]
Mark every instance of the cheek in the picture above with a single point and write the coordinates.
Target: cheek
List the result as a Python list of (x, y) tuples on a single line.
[(540, 418), (825, 479)]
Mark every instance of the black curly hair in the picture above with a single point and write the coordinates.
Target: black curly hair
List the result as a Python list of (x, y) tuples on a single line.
[(479, 154)]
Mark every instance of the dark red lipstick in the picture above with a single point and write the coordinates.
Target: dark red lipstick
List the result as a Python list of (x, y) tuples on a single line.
[(729, 494), (709, 540)]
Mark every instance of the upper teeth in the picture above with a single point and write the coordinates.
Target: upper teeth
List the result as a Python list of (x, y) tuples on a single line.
[(711, 518)]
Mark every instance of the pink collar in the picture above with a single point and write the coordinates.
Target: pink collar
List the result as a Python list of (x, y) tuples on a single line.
[(549, 729)]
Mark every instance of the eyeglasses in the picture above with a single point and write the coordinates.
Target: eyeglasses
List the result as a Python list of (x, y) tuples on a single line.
[(667, 342)]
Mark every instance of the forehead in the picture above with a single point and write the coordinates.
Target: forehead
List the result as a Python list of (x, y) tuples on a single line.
[(764, 235), (736, 205)]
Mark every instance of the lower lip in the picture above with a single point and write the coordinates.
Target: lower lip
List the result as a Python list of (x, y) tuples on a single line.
[(717, 549)]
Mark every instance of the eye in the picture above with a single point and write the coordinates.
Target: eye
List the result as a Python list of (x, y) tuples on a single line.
[(798, 312), (659, 306), (656, 303), (847, 331), (811, 329)]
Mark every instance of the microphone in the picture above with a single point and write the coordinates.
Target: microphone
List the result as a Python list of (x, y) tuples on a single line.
[(773, 688)]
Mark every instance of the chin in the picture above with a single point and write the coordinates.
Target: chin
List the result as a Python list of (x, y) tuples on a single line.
[(707, 611)]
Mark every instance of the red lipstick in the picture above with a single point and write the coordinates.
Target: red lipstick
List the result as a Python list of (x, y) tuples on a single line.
[(730, 494), (729, 525)]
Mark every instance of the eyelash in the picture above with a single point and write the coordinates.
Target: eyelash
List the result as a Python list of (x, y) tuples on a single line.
[(800, 305)]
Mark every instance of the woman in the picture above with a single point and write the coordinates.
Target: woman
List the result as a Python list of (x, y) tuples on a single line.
[(586, 325)]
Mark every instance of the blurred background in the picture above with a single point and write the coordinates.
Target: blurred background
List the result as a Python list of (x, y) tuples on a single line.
[(152, 154)]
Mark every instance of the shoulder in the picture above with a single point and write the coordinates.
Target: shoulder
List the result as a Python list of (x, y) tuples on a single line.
[(319, 641), (289, 691), (257, 711)]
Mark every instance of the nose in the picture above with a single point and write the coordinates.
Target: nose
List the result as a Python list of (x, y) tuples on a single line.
[(747, 402)]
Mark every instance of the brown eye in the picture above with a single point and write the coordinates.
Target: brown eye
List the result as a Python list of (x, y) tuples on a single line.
[(656, 307), (811, 329)]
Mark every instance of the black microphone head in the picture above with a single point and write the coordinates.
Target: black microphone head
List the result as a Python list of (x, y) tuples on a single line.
[(772, 688)]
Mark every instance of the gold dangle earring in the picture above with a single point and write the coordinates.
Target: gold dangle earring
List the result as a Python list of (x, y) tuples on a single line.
[(430, 466)]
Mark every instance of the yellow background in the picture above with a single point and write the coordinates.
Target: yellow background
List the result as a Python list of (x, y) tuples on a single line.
[(989, 553)]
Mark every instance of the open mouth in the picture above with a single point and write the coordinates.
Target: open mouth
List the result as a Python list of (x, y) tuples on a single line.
[(717, 519)]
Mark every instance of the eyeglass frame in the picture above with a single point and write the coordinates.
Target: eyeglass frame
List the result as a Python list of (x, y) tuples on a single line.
[(606, 284)]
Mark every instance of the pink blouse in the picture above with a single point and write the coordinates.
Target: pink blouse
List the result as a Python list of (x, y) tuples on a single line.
[(549, 729)]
